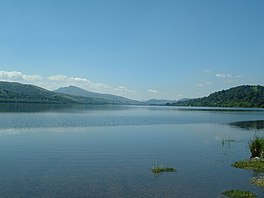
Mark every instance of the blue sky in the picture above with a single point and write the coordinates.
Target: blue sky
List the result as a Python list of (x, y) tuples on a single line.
[(139, 49)]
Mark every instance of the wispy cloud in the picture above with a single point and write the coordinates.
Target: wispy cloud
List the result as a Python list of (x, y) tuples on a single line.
[(58, 77), (207, 71), (224, 75), (77, 81), (228, 78), (203, 84), (153, 91), (18, 76), (124, 89)]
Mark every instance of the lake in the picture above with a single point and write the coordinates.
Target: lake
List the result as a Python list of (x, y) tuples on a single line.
[(108, 151)]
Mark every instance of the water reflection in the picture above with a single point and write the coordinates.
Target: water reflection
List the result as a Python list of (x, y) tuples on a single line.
[(64, 154), (257, 173), (256, 124), (31, 108), (227, 143)]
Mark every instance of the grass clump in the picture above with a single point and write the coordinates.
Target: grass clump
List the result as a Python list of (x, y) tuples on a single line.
[(258, 181), (256, 161), (239, 194), (159, 169), (252, 164), (256, 147)]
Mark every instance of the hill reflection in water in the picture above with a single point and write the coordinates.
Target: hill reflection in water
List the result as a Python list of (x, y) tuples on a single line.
[(249, 125)]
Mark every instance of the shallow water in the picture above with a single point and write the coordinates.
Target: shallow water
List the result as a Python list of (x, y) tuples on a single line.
[(109, 151)]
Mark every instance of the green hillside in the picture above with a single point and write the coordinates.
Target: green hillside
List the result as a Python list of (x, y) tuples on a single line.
[(246, 96), (12, 92)]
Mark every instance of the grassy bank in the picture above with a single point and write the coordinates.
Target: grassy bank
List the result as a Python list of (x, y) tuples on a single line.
[(239, 194), (256, 164)]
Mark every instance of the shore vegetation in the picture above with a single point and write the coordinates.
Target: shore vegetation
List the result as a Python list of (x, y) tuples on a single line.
[(239, 194)]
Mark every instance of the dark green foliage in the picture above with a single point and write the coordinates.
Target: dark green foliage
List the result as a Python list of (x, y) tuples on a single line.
[(245, 96), (239, 194), (256, 147)]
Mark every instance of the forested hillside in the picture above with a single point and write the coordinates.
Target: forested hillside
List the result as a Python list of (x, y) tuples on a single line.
[(25, 93), (242, 96)]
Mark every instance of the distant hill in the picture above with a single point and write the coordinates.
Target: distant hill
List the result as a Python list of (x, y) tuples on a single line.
[(24, 93), (184, 99), (242, 96), (76, 91), (158, 102)]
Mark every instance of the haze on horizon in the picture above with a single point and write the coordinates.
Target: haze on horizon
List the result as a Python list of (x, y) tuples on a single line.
[(136, 49)]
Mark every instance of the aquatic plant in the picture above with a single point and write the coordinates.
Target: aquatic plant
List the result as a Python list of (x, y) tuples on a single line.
[(227, 142), (256, 164), (256, 147), (256, 161), (159, 169), (239, 194)]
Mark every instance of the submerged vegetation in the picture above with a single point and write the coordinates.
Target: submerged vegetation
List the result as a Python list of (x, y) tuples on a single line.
[(239, 194)]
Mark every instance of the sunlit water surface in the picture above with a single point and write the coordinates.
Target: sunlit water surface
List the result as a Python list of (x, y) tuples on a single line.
[(108, 151)]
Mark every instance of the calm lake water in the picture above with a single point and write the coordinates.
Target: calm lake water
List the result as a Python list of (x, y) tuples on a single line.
[(108, 151)]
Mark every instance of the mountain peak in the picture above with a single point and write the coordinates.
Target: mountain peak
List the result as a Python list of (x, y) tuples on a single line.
[(77, 91)]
